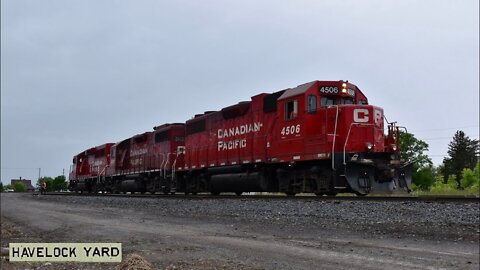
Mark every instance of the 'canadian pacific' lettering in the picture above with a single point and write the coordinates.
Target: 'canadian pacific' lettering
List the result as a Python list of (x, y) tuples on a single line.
[(239, 130), (236, 131)]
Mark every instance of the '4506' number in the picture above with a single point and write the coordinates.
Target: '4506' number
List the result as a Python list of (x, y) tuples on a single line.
[(290, 130)]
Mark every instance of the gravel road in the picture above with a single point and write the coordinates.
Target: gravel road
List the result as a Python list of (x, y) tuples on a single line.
[(179, 233)]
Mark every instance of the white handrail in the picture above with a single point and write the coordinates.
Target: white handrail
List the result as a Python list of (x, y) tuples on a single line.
[(334, 136), (161, 164), (165, 166), (173, 168), (103, 171)]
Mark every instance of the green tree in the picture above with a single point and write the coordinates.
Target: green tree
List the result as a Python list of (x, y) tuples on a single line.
[(19, 187), (47, 180), (1, 187), (462, 153), (59, 183), (413, 149)]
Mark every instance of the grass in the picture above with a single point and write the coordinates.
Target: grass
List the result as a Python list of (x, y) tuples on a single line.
[(455, 192)]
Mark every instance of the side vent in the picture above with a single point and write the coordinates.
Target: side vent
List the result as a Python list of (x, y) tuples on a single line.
[(270, 102)]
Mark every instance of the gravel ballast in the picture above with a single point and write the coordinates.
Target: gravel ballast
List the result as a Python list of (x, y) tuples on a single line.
[(253, 233), (453, 221)]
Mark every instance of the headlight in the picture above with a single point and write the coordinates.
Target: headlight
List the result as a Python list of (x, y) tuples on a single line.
[(394, 147), (344, 85), (369, 146)]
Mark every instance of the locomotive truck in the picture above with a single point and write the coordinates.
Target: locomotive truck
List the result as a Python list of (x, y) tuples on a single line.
[(320, 137)]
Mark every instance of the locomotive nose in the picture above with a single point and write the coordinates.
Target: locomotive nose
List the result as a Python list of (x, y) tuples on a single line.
[(405, 177), (368, 177)]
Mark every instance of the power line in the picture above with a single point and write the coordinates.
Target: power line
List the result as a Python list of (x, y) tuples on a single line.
[(437, 138), (12, 168), (448, 128), (443, 138)]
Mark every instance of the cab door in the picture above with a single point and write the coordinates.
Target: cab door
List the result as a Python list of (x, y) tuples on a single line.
[(290, 141)]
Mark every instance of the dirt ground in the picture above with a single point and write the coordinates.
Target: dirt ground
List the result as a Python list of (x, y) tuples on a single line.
[(160, 241)]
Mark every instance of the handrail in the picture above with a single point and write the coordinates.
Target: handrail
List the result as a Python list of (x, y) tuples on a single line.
[(334, 136), (161, 164), (102, 172), (173, 168), (104, 168), (165, 166), (348, 135)]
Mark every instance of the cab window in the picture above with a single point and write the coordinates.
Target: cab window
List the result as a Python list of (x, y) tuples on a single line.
[(362, 101), (291, 110), (312, 104), (327, 101), (348, 101)]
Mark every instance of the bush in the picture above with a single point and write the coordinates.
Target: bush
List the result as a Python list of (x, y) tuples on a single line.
[(441, 187), (415, 187), (470, 177), (423, 179), (19, 187)]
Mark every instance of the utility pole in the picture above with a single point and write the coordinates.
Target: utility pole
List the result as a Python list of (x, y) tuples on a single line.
[(39, 169), (63, 172)]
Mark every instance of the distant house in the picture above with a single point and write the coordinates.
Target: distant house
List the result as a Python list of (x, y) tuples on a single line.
[(26, 182)]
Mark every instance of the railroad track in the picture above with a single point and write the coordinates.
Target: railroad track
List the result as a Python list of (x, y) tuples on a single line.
[(422, 198)]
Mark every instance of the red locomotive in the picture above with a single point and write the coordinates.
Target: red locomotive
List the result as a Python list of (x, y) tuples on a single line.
[(88, 166), (321, 137)]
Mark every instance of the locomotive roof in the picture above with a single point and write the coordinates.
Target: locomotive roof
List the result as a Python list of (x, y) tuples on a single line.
[(290, 92), (168, 125)]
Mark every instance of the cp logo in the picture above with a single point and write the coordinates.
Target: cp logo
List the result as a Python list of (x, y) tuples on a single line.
[(360, 115)]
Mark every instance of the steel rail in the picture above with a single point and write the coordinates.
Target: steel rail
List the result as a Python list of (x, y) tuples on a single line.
[(206, 196)]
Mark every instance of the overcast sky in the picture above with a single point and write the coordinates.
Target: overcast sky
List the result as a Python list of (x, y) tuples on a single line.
[(76, 74)]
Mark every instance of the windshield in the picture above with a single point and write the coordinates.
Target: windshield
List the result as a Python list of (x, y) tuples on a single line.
[(327, 101), (348, 101)]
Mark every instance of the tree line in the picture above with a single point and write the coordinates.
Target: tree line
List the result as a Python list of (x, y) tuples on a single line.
[(460, 170), (53, 184)]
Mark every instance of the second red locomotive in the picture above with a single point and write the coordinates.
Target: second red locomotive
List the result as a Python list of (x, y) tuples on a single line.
[(321, 137)]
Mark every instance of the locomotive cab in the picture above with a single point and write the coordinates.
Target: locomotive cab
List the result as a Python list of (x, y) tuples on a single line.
[(332, 122), (89, 168)]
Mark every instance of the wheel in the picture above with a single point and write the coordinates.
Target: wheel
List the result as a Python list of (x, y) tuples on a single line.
[(290, 193), (361, 194), (319, 194), (215, 193), (238, 193), (333, 194)]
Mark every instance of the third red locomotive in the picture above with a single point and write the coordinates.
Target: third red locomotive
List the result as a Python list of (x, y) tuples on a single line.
[(321, 137)]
